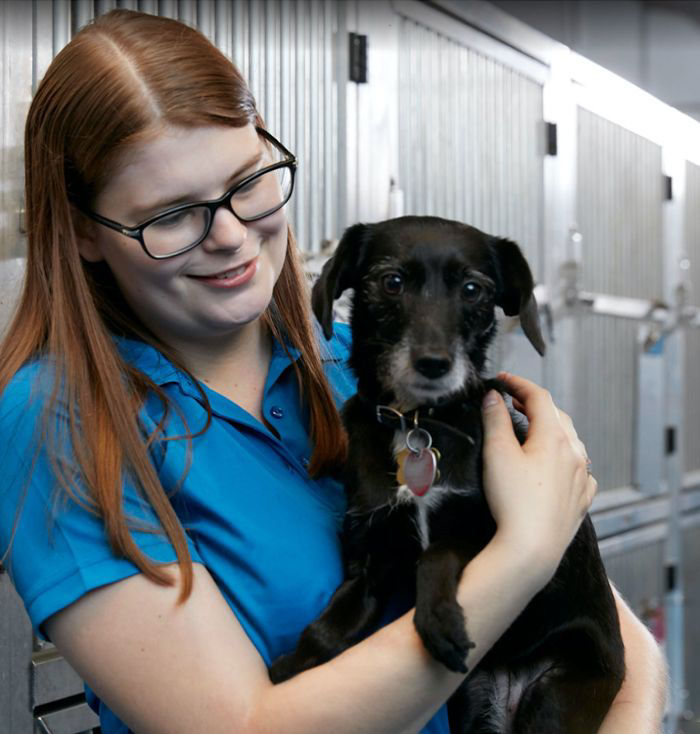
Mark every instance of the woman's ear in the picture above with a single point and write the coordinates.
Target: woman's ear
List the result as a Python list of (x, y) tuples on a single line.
[(85, 236)]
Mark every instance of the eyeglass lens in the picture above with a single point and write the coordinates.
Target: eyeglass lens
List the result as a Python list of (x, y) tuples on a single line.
[(263, 195)]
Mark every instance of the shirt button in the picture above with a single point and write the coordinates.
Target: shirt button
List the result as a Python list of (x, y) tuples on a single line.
[(276, 412)]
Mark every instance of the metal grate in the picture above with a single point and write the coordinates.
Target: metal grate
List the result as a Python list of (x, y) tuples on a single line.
[(619, 215), (638, 575), (470, 134), (692, 384)]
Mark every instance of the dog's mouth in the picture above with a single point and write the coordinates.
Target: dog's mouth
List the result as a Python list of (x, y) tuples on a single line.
[(405, 375)]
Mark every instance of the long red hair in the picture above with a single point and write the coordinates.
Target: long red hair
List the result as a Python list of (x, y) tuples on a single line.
[(119, 80)]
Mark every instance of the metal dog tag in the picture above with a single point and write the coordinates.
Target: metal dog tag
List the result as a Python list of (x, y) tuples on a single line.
[(419, 471), (417, 462)]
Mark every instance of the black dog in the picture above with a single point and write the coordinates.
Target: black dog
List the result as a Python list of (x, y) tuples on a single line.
[(423, 316)]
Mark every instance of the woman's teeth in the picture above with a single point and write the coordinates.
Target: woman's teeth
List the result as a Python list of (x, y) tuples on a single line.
[(230, 273)]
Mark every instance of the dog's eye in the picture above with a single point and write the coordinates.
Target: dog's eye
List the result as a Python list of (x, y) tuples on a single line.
[(392, 284), (471, 291)]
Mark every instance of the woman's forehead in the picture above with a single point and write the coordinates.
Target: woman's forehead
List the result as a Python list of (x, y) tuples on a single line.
[(179, 162)]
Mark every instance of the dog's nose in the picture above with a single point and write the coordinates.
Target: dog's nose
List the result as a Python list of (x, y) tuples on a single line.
[(433, 366)]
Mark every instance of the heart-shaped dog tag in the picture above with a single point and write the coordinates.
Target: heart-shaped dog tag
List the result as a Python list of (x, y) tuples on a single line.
[(419, 470)]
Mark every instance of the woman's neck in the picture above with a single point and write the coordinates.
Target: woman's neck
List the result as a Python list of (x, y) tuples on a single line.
[(235, 366)]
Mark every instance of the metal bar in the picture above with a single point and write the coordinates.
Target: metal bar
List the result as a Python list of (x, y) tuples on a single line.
[(223, 32)]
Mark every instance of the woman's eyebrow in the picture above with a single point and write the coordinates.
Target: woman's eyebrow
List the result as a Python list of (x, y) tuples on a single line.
[(144, 212)]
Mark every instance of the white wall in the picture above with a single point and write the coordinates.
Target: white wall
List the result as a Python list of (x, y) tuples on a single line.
[(653, 45)]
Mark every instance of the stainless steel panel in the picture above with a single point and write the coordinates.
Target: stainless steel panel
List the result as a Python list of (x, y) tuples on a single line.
[(638, 572), (15, 96), (206, 18), (619, 215), (650, 423), (82, 13), (187, 11), (692, 345), (62, 30), (72, 720), (52, 678), (691, 574), (11, 275), (16, 648)]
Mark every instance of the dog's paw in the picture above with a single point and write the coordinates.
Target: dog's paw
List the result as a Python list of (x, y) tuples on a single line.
[(442, 629)]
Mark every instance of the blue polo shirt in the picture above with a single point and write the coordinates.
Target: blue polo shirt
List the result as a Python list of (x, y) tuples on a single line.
[(267, 533)]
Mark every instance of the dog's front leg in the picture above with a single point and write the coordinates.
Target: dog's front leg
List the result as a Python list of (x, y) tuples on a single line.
[(439, 618), (350, 613)]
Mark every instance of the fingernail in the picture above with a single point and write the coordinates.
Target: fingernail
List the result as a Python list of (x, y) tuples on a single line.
[(490, 399)]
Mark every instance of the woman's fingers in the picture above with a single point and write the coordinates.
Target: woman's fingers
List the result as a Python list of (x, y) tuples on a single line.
[(536, 403), (498, 426)]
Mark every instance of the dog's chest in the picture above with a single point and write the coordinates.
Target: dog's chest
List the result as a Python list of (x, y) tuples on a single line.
[(428, 506)]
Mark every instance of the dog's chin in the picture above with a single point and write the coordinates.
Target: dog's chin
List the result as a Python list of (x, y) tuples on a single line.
[(424, 392)]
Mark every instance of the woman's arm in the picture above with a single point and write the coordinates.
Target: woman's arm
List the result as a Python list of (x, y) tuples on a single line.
[(168, 668), (164, 668), (638, 708)]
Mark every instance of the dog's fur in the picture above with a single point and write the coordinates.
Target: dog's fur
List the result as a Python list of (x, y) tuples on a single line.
[(422, 319)]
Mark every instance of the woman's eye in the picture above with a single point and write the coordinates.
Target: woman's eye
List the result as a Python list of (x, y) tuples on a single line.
[(471, 291), (173, 220), (249, 187), (392, 284)]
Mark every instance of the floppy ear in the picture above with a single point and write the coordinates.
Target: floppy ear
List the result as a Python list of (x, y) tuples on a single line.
[(517, 286), (338, 274)]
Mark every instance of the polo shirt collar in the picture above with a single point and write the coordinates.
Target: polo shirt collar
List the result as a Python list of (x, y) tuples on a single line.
[(162, 371)]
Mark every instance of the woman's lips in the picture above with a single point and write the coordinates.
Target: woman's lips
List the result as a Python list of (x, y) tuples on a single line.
[(230, 278)]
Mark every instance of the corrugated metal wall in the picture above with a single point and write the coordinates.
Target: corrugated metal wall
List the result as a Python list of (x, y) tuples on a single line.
[(283, 48), (470, 133), (638, 574), (15, 95), (691, 574), (619, 215), (692, 371)]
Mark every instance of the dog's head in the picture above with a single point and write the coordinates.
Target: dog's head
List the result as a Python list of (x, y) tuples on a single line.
[(423, 309)]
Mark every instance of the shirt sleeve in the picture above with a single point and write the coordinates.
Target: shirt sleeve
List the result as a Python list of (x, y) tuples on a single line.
[(54, 549)]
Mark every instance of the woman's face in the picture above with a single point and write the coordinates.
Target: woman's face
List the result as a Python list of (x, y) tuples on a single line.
[(174, 297)]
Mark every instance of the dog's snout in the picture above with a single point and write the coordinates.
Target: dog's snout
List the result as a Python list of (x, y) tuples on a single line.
[(433, 366)]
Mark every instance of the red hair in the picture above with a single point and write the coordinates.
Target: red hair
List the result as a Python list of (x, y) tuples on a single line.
[(120, 80)]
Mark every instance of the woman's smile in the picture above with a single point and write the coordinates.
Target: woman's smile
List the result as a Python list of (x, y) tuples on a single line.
[(231, 278)]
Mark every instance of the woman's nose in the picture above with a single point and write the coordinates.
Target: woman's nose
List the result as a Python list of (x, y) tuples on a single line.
[(227, 231)]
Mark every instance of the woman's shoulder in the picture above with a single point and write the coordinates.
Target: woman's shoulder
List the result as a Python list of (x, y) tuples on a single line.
[(338, 347), (28, 389)]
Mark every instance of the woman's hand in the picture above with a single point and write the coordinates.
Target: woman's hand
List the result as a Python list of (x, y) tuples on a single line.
[(539, 492)]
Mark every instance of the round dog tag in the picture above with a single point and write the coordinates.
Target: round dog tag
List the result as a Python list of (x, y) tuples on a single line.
[(419, 470)]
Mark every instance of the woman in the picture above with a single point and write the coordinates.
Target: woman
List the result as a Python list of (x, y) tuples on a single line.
[(151, 385)]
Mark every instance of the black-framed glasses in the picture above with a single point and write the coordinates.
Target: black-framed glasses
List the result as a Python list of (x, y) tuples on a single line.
[(185, 226)]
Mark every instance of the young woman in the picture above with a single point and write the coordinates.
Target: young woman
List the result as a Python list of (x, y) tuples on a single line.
[(170, 422)]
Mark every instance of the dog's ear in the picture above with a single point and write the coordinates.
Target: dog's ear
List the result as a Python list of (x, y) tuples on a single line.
[(338, 274), (517, 286)]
